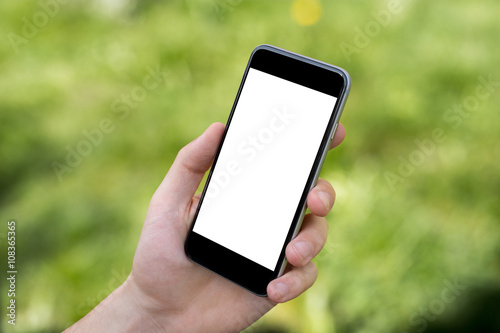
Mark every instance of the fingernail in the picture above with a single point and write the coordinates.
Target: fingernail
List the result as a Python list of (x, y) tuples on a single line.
[(303, 249), (281, 289), (326, 198)]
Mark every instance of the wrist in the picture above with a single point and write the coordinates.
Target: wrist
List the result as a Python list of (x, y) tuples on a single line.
[(123, 310)]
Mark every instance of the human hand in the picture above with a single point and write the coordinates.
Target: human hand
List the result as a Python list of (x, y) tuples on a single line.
[(167, 292)]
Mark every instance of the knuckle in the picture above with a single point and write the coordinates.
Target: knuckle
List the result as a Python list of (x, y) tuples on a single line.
[(320, 233), (312, 272)]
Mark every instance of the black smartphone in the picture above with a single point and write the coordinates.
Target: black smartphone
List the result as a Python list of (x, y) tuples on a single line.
[(275, 141)]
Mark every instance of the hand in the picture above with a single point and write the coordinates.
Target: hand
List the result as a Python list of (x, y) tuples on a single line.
[(167, 292)]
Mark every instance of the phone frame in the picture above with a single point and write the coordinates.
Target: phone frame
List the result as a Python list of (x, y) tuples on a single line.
[(307, 72)]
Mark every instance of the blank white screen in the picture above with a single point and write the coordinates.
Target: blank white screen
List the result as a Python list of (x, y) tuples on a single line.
[(263, 166)]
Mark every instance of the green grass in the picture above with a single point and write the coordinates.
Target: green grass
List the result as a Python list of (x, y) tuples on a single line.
[(390, 249)]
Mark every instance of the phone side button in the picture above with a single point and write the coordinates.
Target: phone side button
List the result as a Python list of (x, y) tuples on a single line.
[(333, 132)]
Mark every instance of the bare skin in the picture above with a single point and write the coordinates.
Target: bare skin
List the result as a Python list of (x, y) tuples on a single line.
[(165, 292)]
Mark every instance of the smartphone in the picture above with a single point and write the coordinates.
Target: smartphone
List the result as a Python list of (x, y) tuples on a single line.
[(279, 130)]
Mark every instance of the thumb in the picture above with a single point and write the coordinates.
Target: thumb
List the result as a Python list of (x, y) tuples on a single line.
[(189, 167)]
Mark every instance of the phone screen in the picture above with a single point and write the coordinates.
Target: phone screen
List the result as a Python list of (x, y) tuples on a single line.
[(269, 149)]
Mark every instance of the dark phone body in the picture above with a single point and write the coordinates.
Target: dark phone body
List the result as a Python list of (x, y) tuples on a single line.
[(306, 72)]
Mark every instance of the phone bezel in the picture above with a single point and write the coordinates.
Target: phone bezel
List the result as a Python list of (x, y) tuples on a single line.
[(307, 72)]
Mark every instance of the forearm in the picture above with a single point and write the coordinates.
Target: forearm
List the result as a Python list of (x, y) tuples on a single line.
[(126, 310), (119, 312)]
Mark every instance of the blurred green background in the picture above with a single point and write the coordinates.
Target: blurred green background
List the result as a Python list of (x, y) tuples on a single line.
[(411, 217)]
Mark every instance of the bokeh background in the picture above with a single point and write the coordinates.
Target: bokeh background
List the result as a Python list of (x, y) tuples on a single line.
[(417, 179)]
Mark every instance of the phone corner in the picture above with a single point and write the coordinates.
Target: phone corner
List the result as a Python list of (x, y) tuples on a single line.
[(262, 47), (186, 248), (347, 79)]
